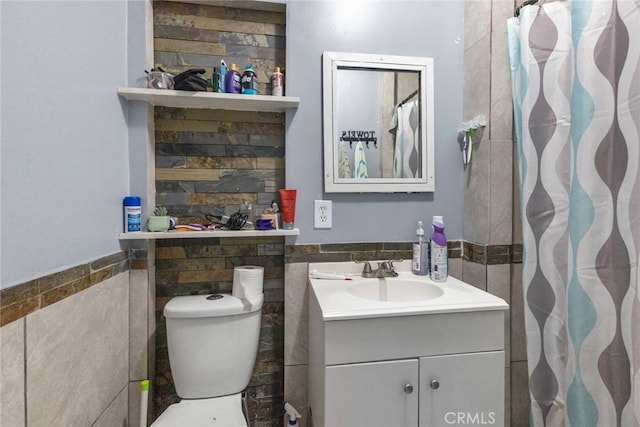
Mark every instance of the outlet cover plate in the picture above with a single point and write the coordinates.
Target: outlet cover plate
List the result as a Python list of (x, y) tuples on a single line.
[(322, 214)]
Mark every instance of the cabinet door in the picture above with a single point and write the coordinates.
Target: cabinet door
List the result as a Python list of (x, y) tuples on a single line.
[(381, 394), (462, 390)]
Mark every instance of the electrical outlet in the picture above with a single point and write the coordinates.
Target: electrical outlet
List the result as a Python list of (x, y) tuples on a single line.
[(322, 214)]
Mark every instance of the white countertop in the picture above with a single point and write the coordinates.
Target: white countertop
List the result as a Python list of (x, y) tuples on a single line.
[(337, 303)]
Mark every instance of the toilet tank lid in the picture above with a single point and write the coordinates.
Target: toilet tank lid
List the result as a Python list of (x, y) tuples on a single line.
[(195, 306)]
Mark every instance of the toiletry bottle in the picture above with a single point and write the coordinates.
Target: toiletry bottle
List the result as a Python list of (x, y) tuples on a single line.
[(249, 81), (132, 214), (215, 80), (223, 74), (439, 256), (437, 218), (232, 80), (288, 207), (292, 414), (420, 251), (247, 209), (277, 83)]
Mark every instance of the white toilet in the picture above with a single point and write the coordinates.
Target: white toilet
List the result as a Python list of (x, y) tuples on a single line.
[(213, 342)]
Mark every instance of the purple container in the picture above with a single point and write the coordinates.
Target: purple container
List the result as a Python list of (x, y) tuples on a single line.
[(233, 80), (438, 233)]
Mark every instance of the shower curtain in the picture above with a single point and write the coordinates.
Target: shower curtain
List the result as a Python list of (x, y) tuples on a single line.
[(406, 155), (576, 90)]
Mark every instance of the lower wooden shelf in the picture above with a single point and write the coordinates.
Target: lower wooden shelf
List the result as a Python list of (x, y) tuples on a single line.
[(149, 235)]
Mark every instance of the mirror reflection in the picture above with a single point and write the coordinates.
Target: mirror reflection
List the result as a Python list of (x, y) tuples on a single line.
[(377, 123), (381, 131)]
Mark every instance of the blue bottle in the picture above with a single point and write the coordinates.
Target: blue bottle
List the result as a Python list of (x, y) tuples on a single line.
[(132, 214)]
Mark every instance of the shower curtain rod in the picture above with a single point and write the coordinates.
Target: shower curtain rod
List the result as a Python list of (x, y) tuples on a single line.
[(411, 95), (516, 13)]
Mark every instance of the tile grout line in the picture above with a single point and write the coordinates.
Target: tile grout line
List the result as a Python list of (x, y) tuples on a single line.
[(24, 367), (111, 402)]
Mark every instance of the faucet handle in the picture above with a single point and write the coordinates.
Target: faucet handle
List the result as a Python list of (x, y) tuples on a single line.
[(391, 261), (367, 271), (367, 268)]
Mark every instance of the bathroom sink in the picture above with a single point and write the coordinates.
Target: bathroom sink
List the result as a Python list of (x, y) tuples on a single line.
[(395, 290), (360, 297)]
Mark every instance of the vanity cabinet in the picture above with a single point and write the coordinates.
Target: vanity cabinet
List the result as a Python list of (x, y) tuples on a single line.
[(372, 394), (429, 370), (425, 392), (462, 389)]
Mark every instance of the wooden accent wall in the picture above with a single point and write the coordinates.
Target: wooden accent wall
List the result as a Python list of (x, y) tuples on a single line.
[(210, 161)]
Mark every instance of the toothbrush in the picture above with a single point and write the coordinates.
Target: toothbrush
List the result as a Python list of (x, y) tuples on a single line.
[(315, 274)]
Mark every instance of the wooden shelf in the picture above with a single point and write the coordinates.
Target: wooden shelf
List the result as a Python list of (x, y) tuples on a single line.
[(149, 235), (209, 100)]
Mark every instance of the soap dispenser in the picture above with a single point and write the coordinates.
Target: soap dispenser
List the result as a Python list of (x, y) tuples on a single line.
[(420, 264)]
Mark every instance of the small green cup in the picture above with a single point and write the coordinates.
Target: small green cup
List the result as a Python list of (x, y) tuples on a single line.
[(159, 223)]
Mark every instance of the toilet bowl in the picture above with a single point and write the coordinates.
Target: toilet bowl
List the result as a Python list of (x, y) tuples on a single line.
[(213, 343), (223, 411)]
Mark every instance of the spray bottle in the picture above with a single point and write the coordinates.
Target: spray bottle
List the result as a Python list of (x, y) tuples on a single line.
[(437, 218), (293, 415), (223, 73), (439, 255)]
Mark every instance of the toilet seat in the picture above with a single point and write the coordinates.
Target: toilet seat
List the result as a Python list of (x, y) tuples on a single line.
[(225, 411)]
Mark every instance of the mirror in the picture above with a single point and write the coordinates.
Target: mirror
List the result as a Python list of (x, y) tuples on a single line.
[(377, 123)]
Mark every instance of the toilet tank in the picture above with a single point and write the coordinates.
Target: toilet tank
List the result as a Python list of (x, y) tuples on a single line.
[(212, 342)]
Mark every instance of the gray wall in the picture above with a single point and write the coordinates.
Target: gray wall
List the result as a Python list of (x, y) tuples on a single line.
[(65, 152), (412, 28), (64, 161), (362, 115)]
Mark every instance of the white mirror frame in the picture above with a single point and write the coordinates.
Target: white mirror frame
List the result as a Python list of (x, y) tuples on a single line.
[(332, 62)]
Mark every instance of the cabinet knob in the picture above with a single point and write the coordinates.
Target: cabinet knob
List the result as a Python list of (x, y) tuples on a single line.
[(435, 384), (408, 388)]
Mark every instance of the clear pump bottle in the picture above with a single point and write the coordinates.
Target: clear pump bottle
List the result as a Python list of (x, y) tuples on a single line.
[(420, 264), (246, 209)]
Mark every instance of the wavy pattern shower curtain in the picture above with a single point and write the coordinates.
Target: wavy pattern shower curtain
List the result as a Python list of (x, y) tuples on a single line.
[(576, 90)]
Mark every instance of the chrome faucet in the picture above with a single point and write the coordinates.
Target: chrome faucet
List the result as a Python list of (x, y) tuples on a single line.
[(385, 269)]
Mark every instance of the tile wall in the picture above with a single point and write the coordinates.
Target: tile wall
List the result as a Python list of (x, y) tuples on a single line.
[(491, 214), (74, 344), (194, 266), (209, 162)]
